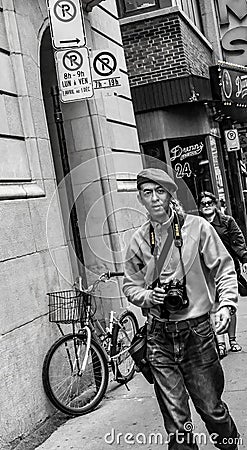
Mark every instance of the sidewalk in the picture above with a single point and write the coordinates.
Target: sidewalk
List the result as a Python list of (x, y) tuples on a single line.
[(125, 419)]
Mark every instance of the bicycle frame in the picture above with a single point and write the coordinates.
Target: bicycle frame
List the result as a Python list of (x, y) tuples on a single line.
[(88, 327)]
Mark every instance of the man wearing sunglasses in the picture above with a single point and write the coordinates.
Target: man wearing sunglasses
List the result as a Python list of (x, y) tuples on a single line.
[(234, 241), (181, 348)]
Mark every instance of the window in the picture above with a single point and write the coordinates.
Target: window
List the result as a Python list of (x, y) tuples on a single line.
[(133, 5), (192, 9)]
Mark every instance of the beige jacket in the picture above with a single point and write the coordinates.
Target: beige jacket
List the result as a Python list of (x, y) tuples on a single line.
[(208, 267)]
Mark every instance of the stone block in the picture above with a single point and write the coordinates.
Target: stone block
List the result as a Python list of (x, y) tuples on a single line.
[(13, 115), (125, 88), (123, 137), (4, 125), (7, 82), (61, 259), (14, 160), (39, 117), (87, 171), (11, 28), (28, 36), (35, 16), (14, 244), (32, 76), (3, 37), (20, 78), (83, 130), (98, 253), (75, 110), (119, 109), (47, 219), (110, 6), (33, 156), (106, 24), (127, 164), (46, 159)]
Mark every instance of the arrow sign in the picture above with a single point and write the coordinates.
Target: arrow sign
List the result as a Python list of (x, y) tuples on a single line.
[(67, 24), (70, 41)]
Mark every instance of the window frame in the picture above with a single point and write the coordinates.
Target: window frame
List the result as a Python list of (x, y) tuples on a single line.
[(123, 13)]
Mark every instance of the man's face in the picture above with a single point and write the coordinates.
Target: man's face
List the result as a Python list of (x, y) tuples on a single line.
[(207, 206), (155, 199)]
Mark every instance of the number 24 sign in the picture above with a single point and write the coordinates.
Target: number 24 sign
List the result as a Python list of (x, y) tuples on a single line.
[(183, 170)]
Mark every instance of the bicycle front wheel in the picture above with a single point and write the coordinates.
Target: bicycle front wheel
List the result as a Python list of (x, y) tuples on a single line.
[(71, 389), (122, 335)]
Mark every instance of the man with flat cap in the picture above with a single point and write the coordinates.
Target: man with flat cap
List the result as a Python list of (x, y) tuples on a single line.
[(174, 264)]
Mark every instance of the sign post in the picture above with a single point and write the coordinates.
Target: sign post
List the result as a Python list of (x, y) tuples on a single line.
[(67, 24), (74, 74)]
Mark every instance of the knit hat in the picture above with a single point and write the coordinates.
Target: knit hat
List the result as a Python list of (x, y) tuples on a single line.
[(157, 176)]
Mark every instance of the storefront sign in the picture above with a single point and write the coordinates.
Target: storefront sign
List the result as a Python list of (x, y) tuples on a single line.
[(229, 84), (233, 27), (184, 154)]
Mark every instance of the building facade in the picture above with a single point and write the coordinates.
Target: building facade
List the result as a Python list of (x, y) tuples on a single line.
[(170, 47), (42, 249)]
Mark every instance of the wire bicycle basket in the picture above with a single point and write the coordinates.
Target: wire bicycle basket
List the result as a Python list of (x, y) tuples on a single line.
[(67, 306)]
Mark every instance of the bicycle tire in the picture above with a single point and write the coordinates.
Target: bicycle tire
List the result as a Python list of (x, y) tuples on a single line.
[(125, 367), (68, 390)]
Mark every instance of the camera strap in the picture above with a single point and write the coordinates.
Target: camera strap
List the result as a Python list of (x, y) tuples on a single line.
[(174, 233)]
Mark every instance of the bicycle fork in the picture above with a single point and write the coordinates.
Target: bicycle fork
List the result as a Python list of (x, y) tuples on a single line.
[(76, 366)]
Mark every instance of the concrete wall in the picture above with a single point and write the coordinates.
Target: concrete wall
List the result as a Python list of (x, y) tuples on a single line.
[(34, 254), (27, 183)]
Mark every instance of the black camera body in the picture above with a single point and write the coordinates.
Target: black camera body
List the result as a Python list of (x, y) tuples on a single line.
[(176, 297)]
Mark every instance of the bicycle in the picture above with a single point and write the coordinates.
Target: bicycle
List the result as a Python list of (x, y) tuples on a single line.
[(76, 368)]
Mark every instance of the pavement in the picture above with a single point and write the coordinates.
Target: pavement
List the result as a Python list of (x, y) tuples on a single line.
[(127, 419)]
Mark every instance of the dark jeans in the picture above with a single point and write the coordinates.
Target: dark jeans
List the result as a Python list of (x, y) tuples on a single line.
[(187, 362)]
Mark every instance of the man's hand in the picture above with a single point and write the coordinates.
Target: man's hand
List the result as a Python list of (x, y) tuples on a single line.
[(222, 320), (244, 267), (158, 296)]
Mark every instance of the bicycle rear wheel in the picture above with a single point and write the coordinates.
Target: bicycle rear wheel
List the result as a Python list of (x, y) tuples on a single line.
[(122, 335), (70, 389)]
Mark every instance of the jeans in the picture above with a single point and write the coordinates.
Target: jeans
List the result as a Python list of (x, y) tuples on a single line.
[(186, 362)]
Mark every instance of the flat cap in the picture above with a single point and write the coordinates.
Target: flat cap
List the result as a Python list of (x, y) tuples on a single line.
[(157, 176)]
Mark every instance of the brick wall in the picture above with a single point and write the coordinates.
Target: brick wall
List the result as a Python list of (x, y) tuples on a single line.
[(161, 48)]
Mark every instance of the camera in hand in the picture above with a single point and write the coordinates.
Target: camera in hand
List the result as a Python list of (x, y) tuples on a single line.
[(176, 296)]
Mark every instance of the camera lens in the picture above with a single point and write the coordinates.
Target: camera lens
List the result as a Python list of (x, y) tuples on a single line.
[(173, 301)]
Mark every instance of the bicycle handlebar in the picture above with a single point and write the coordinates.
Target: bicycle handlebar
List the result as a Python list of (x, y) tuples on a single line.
[(115, 274)]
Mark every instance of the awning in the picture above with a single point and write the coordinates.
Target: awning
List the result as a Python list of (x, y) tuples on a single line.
[(162, 94)]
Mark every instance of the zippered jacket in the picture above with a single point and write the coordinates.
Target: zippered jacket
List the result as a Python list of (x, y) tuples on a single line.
[(208, 267), (231, 236)]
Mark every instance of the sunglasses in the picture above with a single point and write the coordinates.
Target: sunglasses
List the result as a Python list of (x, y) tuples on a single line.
[(207, 203)]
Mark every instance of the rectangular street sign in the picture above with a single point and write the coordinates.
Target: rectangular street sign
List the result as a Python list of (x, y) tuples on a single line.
[(67, 23), (74, 74), (232, 140), (105, 71)]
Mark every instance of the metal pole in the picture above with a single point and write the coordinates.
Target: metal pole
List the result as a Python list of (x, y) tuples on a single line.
[(58, 115)]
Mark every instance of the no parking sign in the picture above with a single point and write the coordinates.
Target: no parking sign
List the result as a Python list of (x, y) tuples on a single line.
[(105, 71), (74, 74)]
